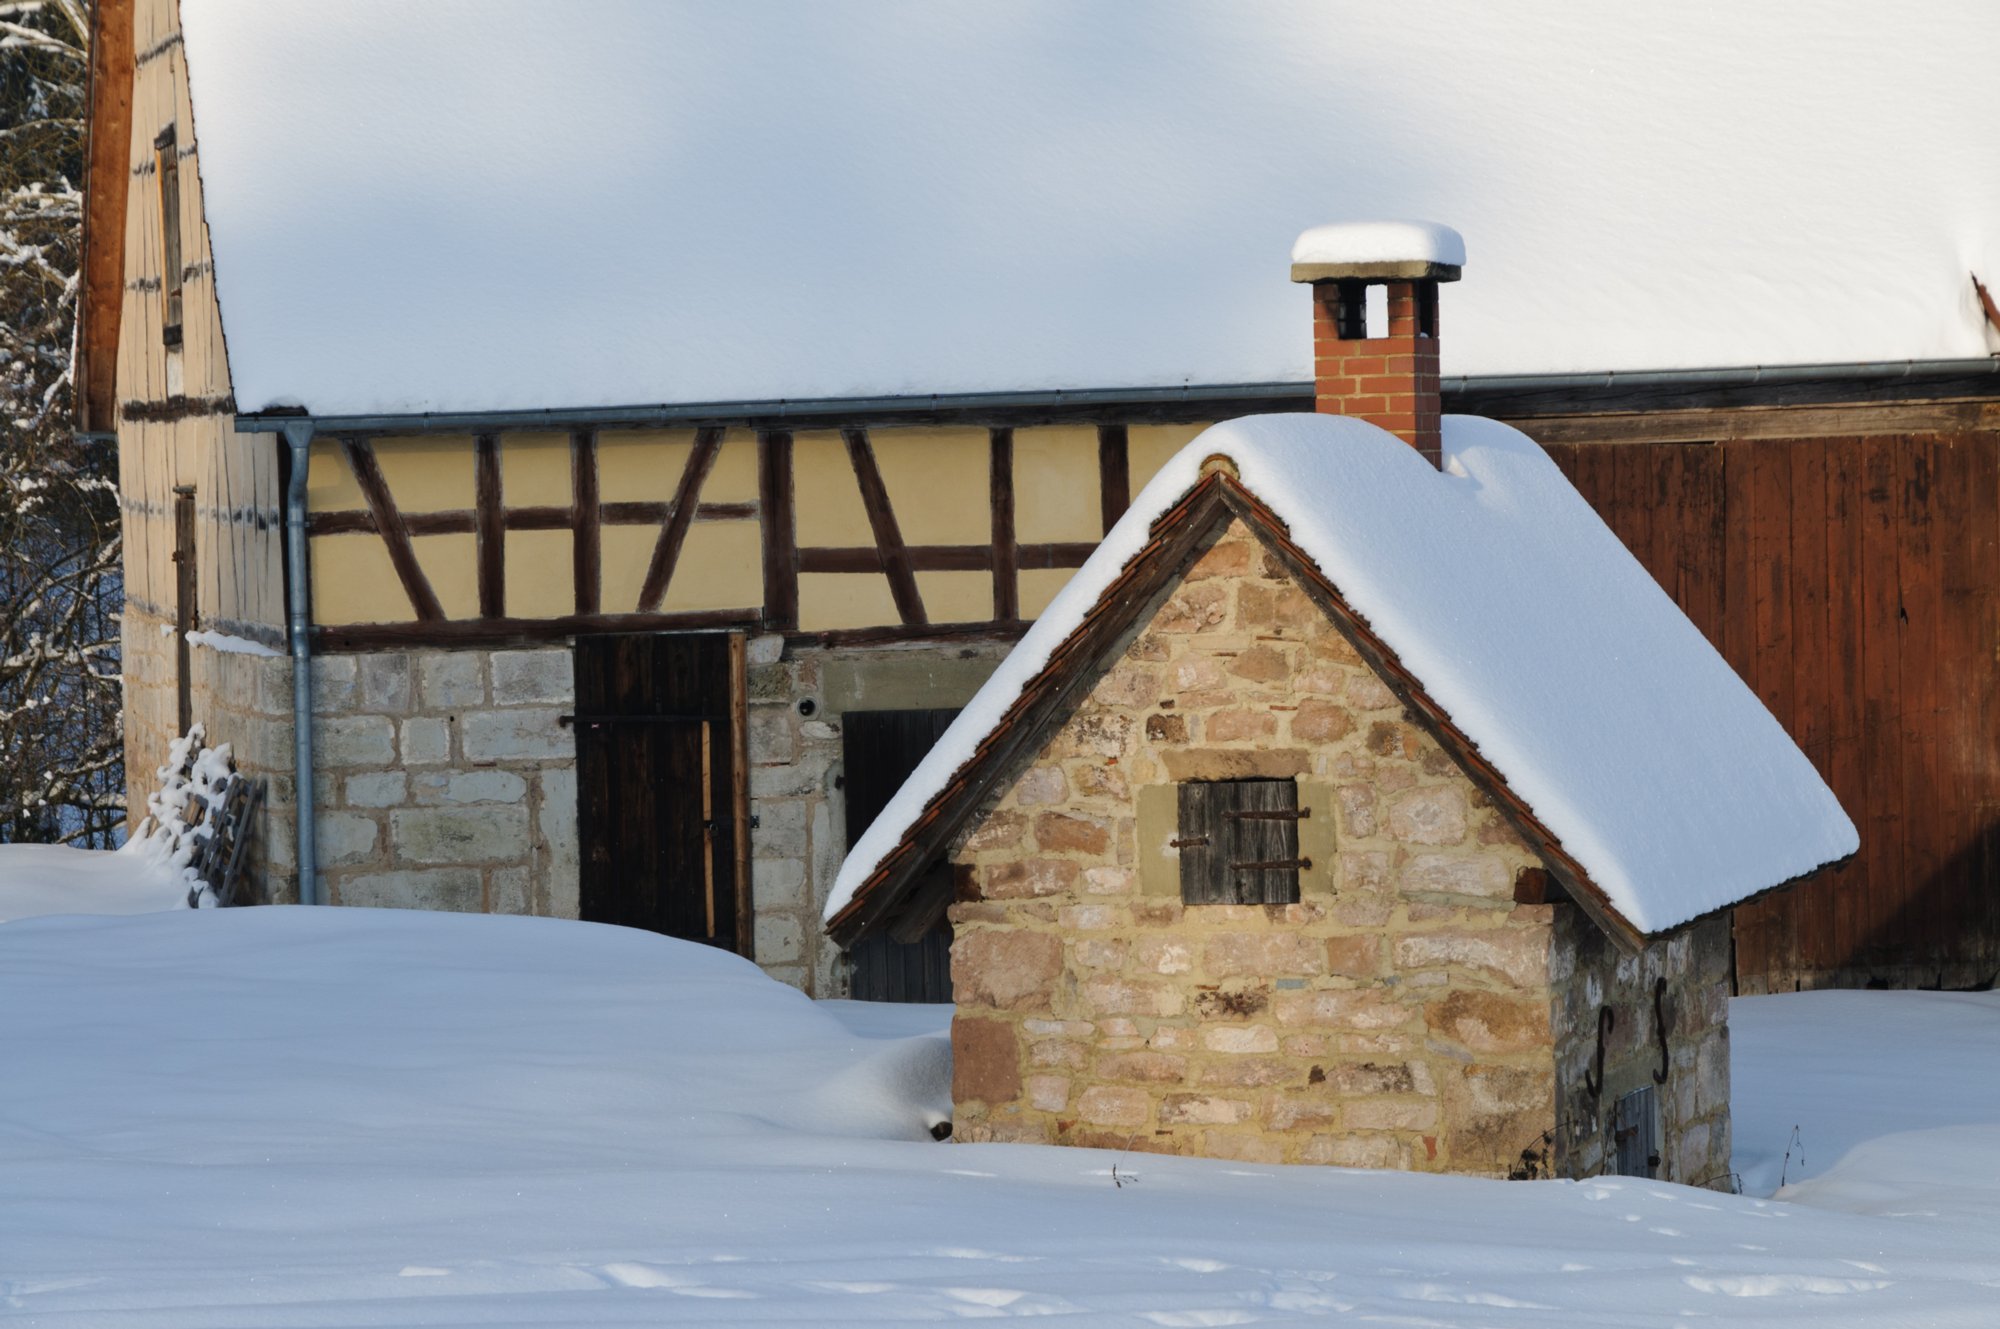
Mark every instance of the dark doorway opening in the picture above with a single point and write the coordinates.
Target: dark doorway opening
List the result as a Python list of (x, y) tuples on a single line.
[(910, 960), (662, 797)]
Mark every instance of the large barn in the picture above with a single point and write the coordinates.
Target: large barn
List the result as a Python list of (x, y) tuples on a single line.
[(638, 429)]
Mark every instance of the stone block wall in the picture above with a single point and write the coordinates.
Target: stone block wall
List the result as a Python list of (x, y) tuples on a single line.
[(1399, 1015), (444, 780), (1592, 975), (798, 698), (244, 700)]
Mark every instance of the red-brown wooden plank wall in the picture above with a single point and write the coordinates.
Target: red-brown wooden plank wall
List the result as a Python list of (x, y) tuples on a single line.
[(1855, 584)]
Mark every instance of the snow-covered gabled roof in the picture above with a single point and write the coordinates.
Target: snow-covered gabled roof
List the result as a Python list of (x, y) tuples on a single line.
[(1524, 633), (452, 206)]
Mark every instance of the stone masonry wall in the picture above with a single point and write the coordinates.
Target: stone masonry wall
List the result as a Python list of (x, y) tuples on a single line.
[(1592, 974), (1398, 1016), (444, 781), (243, 700), (796, 778)]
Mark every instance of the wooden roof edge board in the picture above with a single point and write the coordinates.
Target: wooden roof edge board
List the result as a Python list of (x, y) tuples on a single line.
[(107, 144)]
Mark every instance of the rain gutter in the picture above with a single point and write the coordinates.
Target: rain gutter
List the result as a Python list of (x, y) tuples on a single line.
[(779, 410)]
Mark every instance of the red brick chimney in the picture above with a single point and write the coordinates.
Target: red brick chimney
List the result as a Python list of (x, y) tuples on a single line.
[(1391, 380)]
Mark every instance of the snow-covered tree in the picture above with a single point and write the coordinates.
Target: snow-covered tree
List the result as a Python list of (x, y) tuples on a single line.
[(61, 750)]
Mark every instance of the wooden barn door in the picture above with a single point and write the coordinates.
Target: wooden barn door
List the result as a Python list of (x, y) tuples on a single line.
[(878, 750), (661, 792)]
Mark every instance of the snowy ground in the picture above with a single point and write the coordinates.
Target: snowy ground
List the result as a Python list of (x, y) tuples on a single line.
[(38, 879), (284, 1117)]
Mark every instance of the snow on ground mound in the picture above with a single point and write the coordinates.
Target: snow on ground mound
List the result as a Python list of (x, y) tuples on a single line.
[(41, 879), (279, 1118)]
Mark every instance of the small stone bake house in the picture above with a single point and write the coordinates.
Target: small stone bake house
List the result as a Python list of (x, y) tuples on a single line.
[(1361, 801)]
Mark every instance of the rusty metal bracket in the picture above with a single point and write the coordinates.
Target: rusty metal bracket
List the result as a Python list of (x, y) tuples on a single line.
[(1660, 1026), (1188, 842), (1606, 1020), (1300, 863)]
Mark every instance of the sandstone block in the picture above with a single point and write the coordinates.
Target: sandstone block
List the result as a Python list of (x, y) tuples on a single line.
[(1028, 878), (780, 883), (1239, 1039), (773, 740), (1202, 1110), (457, 890), (525, 677), (1374, 1151), (1127, 685), (1041, 784), (345, 838), (985, 1061), (778, 938), (1482, 876), (426, 740), (1321, 722), (1290, 1112), (1111, 1105), (1267, 954), (1225, 558), (1238, 724), (387, 682), (1392, 1114), (1129, 996), (448, 680), (1358, 956), (1164, 955), (508, 888), (1366, 692), (1260, 664), (1196, 608), (1431, 814), (1358, 1008), (460, 835), (555, 819), (1007, 970), (1489, 1022), (1250, 1073), (377, 789), (523, 735), (1106, 880), (333, 683), (1143, 1067), (1165, 728), (1100, 953), (481, 786), (1060, 832), (1000, 830), (354, 740), (1518, 955), (1054, 1052), (1048, 1093), (1242, 1148)]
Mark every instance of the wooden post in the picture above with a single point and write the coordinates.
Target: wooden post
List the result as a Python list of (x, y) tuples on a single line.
[(739, 785), (185, 613)]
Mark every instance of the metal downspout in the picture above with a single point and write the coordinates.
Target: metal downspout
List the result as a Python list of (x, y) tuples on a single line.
[(299, 435)]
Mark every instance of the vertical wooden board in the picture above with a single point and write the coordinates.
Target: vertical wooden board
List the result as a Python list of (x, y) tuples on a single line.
[(1738, 641), (1564, 456), (1838, 931), (1807, 909), (1631, 481), (1198, 861), (1770, 574), (1595, 478), (1006, 563), (1698, 579), (1881, 697), (1918, 915), (779, 528), (1981, 624)]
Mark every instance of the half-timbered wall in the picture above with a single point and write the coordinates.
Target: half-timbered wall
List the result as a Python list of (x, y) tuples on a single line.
[(176, 428)]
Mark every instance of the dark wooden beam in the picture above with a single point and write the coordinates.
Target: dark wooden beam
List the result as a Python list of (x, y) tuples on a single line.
[(542, 517), (673, 534), (518, 631), (882, 521), (583, 497), (780, 529), (389, 525), (490, 534), (1114, 473), (1000, 483)]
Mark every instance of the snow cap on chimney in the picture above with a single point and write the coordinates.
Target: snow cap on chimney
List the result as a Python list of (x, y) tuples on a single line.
[(1389, 380)]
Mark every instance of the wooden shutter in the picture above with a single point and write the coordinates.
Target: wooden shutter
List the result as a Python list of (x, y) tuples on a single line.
[(1239, 841), (1635, 1133)]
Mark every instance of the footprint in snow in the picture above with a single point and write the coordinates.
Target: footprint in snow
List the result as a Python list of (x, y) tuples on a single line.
[(1197, 1264), (633, 1274)]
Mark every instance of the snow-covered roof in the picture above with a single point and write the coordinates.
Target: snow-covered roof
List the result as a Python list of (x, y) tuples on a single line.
[(1533, 630), (474, 206)]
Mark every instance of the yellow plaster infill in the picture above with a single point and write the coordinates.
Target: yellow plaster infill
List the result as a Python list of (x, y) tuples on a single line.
[(721, 567), (1149, 447), (541, 576), (426, 473), (955, 597), (938, 484), (353, 581), (828, 499), (330, 485), (733, 478), (832, 600), (641, 467), (534, 472), (623, 553), (1038, 586), (451, 562), (1055, 485)]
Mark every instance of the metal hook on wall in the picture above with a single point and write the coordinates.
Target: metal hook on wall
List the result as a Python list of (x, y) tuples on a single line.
[(1660, 1026), (1594, 1085)]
